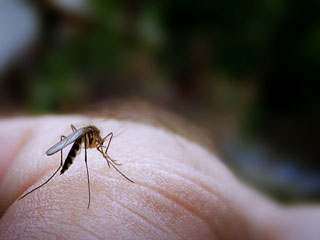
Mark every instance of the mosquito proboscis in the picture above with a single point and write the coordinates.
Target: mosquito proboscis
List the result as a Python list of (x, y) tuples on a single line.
[(90, 136)]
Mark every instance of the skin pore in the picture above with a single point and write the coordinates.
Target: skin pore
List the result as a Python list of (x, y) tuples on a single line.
[(180, 189)]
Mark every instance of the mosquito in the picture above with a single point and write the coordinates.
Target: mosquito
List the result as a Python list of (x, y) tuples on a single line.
[(90, 136)]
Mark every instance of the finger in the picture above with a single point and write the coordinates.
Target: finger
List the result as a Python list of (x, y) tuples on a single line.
[(180, 190), (13, 135)]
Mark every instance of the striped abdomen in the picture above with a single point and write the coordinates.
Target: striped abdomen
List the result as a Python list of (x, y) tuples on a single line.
[(72, 154)]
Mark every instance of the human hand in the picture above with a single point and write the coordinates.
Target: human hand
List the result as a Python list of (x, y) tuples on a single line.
[(180, 189)]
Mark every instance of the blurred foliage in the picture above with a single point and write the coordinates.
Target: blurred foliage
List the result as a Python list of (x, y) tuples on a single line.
[(243, 68)]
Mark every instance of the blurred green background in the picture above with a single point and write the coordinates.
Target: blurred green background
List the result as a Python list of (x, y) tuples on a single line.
[(245, 71)]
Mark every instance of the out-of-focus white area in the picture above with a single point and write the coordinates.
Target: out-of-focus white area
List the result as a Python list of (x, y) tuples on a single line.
[(19, 26)]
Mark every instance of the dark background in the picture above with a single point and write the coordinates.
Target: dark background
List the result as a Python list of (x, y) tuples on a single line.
[(245, 71)]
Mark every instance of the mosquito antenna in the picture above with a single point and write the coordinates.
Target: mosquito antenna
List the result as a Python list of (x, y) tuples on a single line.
[(118, 134), (85, 160)]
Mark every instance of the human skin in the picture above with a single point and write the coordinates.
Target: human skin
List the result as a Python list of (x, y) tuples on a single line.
[(180, 191)]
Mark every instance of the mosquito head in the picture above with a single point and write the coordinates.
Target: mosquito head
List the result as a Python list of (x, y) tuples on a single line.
[(93, 129)]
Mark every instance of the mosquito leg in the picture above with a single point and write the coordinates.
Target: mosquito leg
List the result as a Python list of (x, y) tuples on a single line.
[(101, 145), (73, 128), (111, 135), (62, 137), (85, 160), (104, 155), (113, 160), (109, 161), (107, 148)]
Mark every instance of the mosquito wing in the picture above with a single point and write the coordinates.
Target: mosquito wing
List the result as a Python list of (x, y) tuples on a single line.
[(65, 142)]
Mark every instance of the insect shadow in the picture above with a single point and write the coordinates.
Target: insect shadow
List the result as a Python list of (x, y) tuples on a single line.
[(90, 136)]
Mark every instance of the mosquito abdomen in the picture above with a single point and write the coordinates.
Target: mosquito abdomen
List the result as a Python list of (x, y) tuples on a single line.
[(71, 155)]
